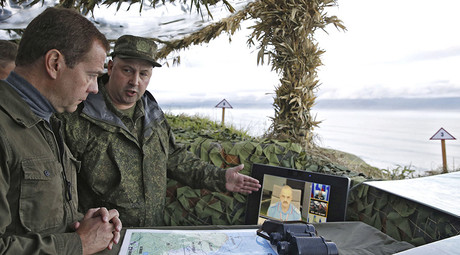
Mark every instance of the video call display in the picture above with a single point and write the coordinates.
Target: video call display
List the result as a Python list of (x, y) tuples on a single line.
[(288, 199)]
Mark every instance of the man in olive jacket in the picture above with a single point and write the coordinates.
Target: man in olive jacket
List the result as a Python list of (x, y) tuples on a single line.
[(127, 147), (59, 58)]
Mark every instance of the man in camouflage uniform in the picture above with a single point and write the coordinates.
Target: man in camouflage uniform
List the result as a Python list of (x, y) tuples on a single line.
[(127, 147), (57, 64)]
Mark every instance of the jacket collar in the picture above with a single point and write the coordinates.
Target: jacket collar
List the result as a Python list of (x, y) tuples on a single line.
[(36, 101), (153, 112), (97, 106)]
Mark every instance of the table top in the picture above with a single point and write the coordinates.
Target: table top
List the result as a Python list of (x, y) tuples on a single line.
[(449, 245), (441, 192), (352, 237)]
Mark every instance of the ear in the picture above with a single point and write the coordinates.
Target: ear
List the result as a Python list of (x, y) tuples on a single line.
[(109, 67), (54, 62)]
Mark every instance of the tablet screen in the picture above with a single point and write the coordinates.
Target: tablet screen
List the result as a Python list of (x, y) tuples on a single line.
[(290, 195)]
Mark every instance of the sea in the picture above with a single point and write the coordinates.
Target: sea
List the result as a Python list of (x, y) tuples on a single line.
[(383, 137)]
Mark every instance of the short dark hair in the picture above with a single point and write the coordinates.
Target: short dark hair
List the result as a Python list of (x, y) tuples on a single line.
[(61, 29), (8, 52)]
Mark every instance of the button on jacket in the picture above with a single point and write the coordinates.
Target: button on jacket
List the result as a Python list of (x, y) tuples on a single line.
[(126, 162), (36, 203)]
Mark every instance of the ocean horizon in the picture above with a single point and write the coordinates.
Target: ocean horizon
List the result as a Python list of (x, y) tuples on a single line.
[(384, 137), (392, 103)]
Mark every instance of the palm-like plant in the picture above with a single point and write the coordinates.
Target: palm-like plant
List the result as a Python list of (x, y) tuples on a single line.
[(285, 33)]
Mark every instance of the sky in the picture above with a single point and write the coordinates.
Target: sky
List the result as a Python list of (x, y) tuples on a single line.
[(391, 48), (408, 48), (215, 71)]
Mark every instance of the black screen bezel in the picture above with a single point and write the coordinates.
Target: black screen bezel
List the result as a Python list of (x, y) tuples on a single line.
[(340, 186)]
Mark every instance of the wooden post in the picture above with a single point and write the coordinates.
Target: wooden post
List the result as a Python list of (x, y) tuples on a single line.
[(223, 104), (223, 116), (443, 135), (444, 159)]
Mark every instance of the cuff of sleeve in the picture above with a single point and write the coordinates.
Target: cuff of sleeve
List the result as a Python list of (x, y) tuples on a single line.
[(69, 243), (80, 216), (221, 180)]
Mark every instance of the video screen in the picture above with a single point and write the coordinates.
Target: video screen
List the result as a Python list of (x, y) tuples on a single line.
[(290, 200)]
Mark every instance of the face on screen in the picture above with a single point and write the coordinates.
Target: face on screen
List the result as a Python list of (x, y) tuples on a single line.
[(291, 200), (285, 197)]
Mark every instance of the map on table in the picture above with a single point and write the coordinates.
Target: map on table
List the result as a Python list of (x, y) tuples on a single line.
[(201, 242)]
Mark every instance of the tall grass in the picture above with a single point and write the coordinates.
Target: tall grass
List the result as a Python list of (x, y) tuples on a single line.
[(187, 128)]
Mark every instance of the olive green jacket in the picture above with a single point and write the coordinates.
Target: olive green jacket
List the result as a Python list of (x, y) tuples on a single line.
[(35, 211), (128, 170)]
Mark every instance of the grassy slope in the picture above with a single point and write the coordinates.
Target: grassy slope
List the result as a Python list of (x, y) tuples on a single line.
[(187, 128)]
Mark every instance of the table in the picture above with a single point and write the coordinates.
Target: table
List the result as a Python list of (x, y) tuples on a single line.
[(352, 237)]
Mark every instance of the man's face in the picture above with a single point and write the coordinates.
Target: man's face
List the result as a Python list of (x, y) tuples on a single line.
[(286, 198), (128, 81), (76, 83)]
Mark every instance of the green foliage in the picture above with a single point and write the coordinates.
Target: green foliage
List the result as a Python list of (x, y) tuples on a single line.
[(284, 32), (352, 162), (187, 206), (188, 128), (399, 173), (221, 145)]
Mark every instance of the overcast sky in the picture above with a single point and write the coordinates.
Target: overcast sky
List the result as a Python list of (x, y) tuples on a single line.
[(408, 48), (391, 48)]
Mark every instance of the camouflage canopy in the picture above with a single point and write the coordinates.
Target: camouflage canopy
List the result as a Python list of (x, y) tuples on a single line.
[(283, 33), (164, 21)]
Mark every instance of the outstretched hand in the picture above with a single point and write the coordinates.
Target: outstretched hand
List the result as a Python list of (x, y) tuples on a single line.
[(236, 182)]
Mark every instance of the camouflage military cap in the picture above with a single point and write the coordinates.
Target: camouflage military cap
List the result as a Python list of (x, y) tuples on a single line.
[(129, 46)]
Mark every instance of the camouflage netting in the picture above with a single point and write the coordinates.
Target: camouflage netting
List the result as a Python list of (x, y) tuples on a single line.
[(400, 218), (187, 206)]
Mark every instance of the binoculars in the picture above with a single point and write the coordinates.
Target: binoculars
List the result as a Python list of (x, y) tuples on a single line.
[(296, 238)]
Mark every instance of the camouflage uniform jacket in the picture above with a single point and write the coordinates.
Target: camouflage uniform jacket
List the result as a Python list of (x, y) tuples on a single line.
[(123, 172), (35, 206)]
